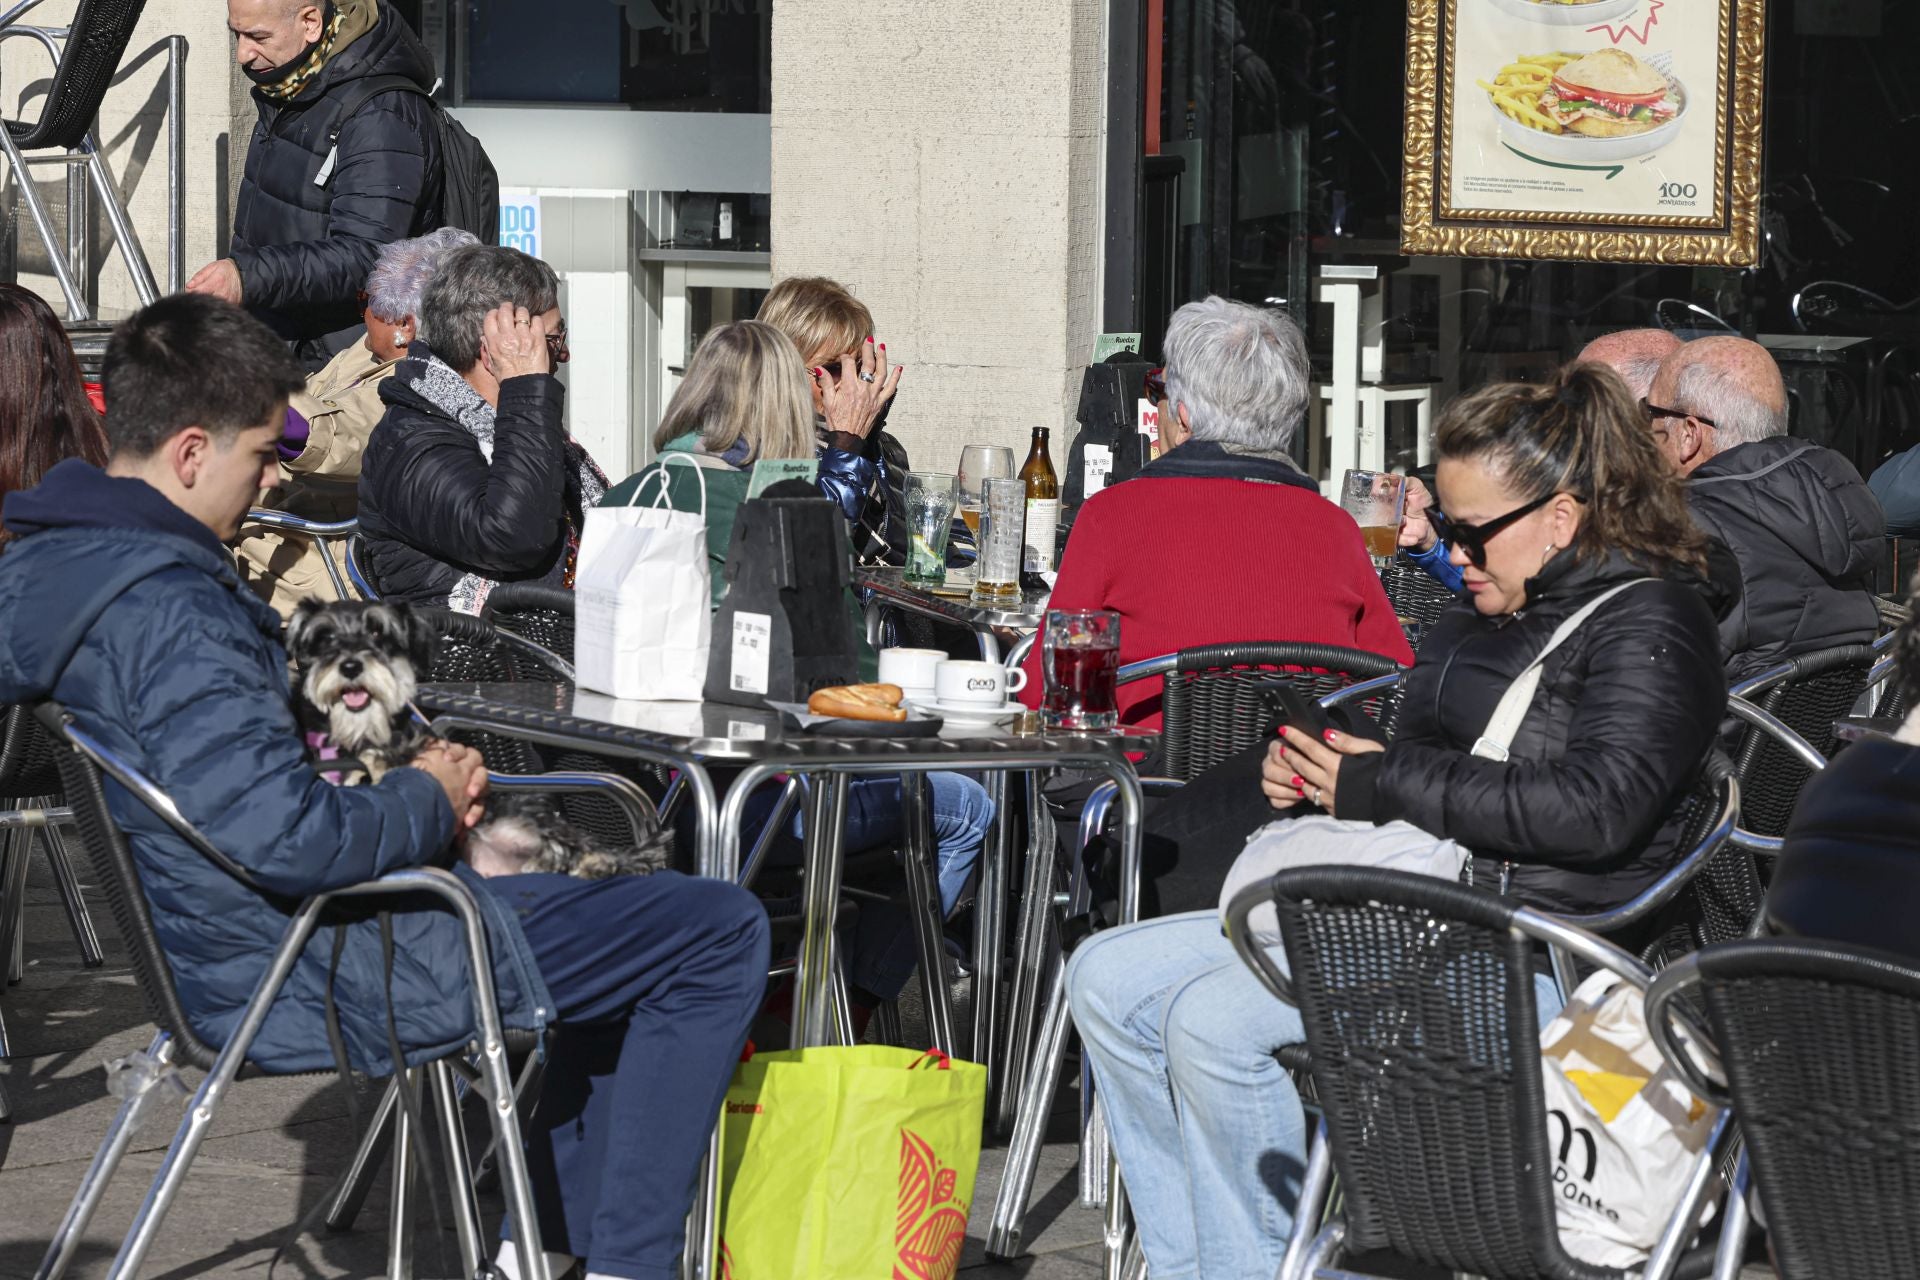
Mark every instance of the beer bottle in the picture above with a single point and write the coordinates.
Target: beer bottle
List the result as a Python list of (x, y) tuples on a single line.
[(1043, 505)]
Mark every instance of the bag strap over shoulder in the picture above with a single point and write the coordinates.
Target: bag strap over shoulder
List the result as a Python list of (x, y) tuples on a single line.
[(1504, 723)]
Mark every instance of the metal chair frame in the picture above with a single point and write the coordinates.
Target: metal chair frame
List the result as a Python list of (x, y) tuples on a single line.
[(1768, 691), (82, 152), (1037, 1048), (1314, 1250), (86, 768), (318, 531), (356, 571), (1675, 1001)]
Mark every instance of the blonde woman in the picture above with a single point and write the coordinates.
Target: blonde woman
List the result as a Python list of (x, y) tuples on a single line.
[(861, 466), (744, 400)]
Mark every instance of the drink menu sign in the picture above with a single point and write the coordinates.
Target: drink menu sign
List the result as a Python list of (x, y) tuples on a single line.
[(1599, 130)]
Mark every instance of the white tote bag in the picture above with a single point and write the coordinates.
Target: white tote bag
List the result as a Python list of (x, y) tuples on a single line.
[(1622, 1128), (643, 617)]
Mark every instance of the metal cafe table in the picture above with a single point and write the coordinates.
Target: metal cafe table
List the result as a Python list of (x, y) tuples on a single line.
[(887, 588), (694, 737)]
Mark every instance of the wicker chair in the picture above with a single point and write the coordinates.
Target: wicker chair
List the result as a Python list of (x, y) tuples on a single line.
[(86, 53), (1214, 705), (533, 611), (1417, 999), (29, 779), (357, 567), (326, 534), (85, 770), (1416, 594), (1820, 1044), (1807, 694)]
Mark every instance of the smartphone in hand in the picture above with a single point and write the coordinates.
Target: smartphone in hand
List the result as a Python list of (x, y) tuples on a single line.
[(1293, 708)]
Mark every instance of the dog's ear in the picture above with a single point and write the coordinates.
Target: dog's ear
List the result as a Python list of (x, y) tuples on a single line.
[(300, 626), (416, 635)]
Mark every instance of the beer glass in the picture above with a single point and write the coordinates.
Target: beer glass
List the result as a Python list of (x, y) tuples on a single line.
[(1002, 538), (1375, 500), (980, 463), (1080, 653), (930, 506)]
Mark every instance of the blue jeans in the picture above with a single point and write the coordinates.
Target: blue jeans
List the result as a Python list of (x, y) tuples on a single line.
[(1207, 1125), (883, 954), (655, 979)]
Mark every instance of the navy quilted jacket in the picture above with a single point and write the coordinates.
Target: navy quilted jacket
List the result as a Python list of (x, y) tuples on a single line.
[(130, 613), (304, 247)]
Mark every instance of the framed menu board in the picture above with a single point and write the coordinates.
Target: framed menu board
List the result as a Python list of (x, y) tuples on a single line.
[(1598, 130)]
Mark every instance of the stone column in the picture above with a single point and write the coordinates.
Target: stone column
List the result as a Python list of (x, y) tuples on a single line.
[(943, 162), (133, 134)]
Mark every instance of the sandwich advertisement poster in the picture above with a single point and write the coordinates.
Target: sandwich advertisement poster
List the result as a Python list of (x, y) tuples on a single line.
[(1603, 130)]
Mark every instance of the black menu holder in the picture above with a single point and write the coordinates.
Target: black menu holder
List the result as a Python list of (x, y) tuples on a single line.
[(783, 630), (1108, 417)]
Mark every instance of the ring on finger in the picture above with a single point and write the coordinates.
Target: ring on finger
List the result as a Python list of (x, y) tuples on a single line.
[(1316, 795), (866, 377)]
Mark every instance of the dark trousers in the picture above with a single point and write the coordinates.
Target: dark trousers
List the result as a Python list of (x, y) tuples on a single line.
[(655, 979)]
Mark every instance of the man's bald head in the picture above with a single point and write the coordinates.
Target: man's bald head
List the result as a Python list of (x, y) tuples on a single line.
[(1634, 354), (272, 33), (1725, 391)]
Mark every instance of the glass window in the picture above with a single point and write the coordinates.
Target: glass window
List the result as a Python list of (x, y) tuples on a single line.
[(655, 55), (1281, 123)]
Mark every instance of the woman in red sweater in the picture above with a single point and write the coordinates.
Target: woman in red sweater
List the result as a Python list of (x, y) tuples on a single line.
[(1224, 540)]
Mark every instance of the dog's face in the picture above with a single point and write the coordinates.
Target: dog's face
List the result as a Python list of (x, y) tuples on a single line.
[(358, 664)]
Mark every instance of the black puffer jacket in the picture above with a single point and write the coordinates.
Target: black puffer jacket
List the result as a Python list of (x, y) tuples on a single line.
[(1850, 871), (1807, 532), (434, 510), (304, 250), (1585, 808)]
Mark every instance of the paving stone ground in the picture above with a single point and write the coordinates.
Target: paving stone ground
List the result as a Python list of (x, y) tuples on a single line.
[(279, 1145)]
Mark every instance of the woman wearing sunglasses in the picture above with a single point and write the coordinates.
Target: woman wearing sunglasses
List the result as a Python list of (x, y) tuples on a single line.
[(1557, 501)]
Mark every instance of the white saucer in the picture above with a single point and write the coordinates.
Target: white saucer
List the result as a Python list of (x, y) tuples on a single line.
[(974, 712)]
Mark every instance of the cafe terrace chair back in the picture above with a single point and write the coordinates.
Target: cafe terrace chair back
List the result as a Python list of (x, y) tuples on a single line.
[(1820, 1043), (1417, 998)]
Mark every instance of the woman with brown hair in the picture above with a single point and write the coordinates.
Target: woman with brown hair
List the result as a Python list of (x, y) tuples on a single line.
[(1573, 536), (45, 416)]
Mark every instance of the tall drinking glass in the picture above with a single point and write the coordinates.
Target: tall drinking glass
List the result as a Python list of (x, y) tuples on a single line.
[(980, 463), (930, 507), (1002, 538), (1375, 500), (1080, 652)]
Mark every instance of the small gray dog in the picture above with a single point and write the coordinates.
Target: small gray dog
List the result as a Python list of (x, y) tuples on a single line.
[(356, 667)]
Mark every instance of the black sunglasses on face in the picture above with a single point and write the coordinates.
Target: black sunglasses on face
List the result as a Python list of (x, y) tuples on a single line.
[(1655, 414), (1473, 538)]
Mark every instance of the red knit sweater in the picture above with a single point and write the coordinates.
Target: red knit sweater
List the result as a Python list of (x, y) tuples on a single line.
[(1188, 562)]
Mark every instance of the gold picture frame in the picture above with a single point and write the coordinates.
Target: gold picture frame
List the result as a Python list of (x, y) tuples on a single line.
[(1474, 200)]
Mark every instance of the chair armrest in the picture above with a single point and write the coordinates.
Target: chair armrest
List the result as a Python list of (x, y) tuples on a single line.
[(1099, 803), (1017, 656), (1775, 728), (1664, 1008), (1668, 886), (633, 802), (295, 524), (1362, 689)]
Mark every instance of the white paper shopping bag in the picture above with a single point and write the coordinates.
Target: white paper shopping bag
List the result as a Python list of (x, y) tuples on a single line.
[(642, 597)]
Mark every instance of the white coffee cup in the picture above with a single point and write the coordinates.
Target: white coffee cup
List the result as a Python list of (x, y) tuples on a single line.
[(985, 683), (912, 669)]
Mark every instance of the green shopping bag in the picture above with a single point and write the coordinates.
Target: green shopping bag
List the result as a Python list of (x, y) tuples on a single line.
[(849, 1164)]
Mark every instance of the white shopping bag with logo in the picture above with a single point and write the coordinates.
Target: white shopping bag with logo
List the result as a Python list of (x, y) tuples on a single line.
[(1622, 1127), (643, 597)]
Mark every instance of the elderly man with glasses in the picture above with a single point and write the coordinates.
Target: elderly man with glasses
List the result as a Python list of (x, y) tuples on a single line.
[(1798, 518)]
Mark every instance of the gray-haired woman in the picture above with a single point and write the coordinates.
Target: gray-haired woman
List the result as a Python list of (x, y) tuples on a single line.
[(470, 479), (328, 424)]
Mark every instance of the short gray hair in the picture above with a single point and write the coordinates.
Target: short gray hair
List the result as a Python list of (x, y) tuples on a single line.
[(1740, 416), (1240, 370), (473, 281), (401, 272)]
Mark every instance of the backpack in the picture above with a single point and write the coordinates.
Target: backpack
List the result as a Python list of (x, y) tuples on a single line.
[(469, 187)]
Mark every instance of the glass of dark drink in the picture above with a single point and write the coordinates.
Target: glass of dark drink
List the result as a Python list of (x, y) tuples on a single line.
[(1080, 652)]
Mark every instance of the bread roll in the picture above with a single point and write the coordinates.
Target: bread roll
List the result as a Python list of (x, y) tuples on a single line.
[(859, 702)]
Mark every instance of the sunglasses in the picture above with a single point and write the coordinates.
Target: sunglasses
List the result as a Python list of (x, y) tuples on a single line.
[(1155, 386), (1656, 414), (557, 345), (1472, 539)]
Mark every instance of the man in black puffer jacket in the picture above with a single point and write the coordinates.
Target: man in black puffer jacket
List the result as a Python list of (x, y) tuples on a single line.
[(312, 212), (1803, 525)]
